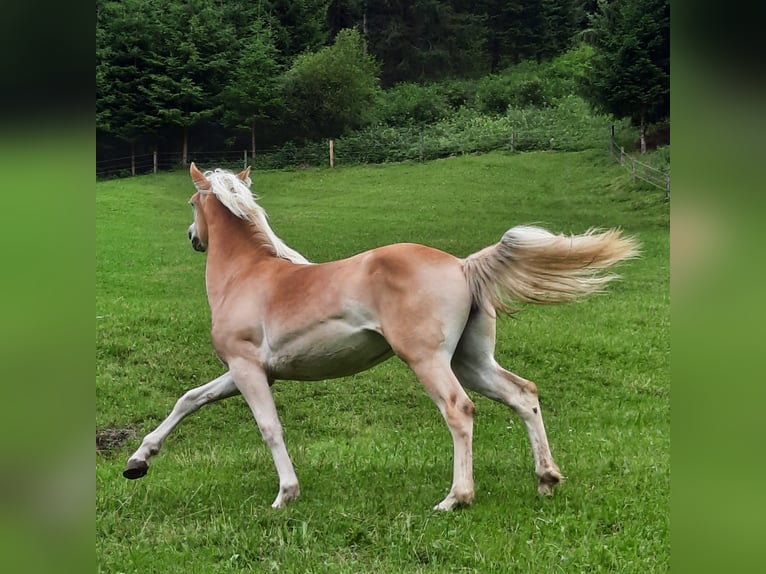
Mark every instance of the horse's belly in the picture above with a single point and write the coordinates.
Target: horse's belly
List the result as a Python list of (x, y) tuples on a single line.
[(327, 353)]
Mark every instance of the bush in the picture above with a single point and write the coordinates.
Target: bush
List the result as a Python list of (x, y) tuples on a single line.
[(567, 126), (530, 93), (494, 94), (334, 90), (407, 104), (457, 93)]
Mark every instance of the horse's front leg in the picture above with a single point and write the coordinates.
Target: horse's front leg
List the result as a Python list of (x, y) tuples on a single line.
[(254, 386), (215, 390)]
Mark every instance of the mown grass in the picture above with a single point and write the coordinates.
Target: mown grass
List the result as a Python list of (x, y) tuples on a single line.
[(371, 451)]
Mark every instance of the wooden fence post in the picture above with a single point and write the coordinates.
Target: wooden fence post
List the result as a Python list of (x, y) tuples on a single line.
[(611, 141), (622, 155), (667, 186), (332, 153), (154, 161), (244, 165)]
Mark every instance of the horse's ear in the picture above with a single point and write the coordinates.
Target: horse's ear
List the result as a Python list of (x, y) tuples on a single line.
[(200, 181), (244, 174)]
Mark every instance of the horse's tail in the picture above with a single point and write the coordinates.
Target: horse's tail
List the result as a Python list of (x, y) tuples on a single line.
[(532, 265)]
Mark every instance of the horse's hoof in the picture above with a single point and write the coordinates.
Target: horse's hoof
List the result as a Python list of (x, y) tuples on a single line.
[(548, 481), (135, 469)]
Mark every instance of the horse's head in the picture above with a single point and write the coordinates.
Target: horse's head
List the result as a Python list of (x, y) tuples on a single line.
[(198, 232)]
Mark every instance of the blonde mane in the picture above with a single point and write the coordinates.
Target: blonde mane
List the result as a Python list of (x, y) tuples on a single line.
[(236, 196)]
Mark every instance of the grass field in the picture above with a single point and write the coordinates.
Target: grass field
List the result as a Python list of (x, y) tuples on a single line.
[(371, 451)]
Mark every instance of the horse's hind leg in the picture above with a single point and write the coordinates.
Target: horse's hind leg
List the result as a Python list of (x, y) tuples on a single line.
[(457, 409), (215, 390), (476, 368)]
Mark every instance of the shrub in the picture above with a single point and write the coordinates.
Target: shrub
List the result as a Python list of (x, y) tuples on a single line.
[(457, 93), (494, 94), (333, 90), (530, 93), (407, 104)]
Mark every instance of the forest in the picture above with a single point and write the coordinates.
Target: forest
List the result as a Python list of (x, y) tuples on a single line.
[(196, 75)]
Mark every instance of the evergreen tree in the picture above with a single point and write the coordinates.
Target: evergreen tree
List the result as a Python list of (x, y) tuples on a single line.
[(126, 33), (631, 65), (253, 91), (527, 29), (342, 14), (298, 26), (558, 26), (192, 65), (424, 40)]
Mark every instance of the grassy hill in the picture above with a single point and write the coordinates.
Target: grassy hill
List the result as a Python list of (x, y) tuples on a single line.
[(371, 451)]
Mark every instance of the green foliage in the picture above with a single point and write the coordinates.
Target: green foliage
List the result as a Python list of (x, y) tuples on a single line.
[(520, 30), (252, 92), (193, 63), (658, 159), (457, 93), (372, 452), (333, 90), (534, 84), (631, 66), (126, 36), (215, 69), (410, 103), (298, 25), (424, 40), (569, 125), (495, 94), (564, 75), (530, 94)]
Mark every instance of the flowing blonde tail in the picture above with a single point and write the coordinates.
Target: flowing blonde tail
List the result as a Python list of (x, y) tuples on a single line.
[(532, 265)]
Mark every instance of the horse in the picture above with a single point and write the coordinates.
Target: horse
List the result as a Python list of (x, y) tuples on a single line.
[(275, 315)]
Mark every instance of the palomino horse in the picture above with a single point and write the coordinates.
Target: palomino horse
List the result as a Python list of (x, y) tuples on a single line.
[(277, 316)]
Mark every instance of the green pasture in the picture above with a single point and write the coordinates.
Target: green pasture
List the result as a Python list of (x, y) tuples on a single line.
[(371, 451)]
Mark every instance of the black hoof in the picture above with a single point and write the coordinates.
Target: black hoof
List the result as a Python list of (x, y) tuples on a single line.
[(135, 469)]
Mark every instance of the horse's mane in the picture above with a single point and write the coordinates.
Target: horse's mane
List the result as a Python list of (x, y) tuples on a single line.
[(236, 196)]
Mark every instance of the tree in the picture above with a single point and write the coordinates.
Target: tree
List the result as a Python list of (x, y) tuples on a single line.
[(333, 90), (299, 25), (192, 65), (527, 29), (631, 63), (252, 93), (125, 34), (558, 26)]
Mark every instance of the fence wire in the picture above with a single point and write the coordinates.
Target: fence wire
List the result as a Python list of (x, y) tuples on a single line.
[(647, 173), (389, 146)]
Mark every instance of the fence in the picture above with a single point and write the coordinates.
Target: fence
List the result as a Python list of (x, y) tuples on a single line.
[(391, 145), (639, 170), (644, 172)]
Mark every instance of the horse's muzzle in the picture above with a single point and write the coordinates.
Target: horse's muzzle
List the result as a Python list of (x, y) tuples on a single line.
[(197, 245)]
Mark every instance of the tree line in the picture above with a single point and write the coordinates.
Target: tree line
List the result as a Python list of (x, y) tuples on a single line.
[(235, 71)]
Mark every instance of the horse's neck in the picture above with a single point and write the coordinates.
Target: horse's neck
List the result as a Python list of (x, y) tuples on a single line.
[(232, 247)]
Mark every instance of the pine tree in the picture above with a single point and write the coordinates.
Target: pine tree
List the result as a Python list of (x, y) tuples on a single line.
[(631, 65), (191, 65), (253, 91), (125, 35)]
